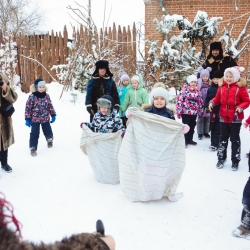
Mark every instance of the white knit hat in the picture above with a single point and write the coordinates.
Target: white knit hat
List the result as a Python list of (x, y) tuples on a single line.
[(159, 91), (136, 78), (235, 71), (191, 78)]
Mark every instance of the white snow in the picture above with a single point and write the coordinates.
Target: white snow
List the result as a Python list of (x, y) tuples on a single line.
[(55, 194)]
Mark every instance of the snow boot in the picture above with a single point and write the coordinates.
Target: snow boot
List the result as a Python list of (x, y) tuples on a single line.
[(213, 148), (220, 163), (207, 135), (241, 232), (50, 144), (235, 166), (200, 137), (7, 168), (100, 227), (33, 152), (192, 143), (247, 155)]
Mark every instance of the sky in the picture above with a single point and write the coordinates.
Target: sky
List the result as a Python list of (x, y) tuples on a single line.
[(56, 194), (119, 11)]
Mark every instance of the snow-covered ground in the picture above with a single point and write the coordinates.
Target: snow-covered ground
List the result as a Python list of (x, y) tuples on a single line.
[(55, 194)]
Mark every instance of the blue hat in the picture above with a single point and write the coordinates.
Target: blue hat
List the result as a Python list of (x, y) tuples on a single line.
[(37, 81)]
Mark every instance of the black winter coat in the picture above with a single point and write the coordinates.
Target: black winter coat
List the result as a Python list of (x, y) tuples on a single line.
[(211, 93), (165, 112)]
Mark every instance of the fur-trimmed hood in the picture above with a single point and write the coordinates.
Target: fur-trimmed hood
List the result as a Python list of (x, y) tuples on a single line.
[(146, 106), (241, 83), (33, 89)]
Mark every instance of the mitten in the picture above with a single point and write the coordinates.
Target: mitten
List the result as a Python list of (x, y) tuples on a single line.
[(81, 124), (235, 117), (245, 124), (179, 116), (123, 133), (28, 122), (117, 107), (128, 114), (186, 128), (90, 110), (53, 119), (207, 110)]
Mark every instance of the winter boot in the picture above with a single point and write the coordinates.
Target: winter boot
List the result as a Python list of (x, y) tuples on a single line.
[(192, 143), (241, 232), (200, 137), (100, 227), (33, 152), (50, 144), (235, 166), (7, 168), (213, 148), (207, 135), (247, 155), (220, 163)]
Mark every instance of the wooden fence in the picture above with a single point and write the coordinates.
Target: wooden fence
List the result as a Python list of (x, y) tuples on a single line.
[(38, 53)]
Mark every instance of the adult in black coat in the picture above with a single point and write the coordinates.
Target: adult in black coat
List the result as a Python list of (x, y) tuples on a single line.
[(100, 84), (217, 60)]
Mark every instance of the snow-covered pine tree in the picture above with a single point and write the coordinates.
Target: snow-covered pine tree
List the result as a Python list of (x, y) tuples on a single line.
[(177, 56)]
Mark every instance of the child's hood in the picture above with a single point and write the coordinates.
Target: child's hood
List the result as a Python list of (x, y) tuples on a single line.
[(141, 82), (241, 83), (33, 89)]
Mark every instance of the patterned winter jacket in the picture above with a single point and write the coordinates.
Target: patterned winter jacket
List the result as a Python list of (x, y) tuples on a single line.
[(189, 101), (106, 123), (39, 108), (231, 96)]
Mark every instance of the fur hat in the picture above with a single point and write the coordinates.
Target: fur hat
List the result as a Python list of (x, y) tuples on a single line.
[(235, 71), (159, 91), (217, 74), (191, 78), (4, 77), (105, 101), (203, 71), (216, 46), (37, 81), (159, 84), (102, 64)]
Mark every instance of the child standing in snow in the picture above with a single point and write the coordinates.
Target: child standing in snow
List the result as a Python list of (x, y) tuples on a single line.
[(38, 110), (203, 85), (136, 95), (189, 104), (106, 120), (214, 115), (122, 90), (233, 97)]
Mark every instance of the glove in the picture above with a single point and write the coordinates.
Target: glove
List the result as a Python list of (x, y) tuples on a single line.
[(28, 122), (128, 114), (117, 107), (90, 110), (53, 119), (186, 128), (123, 133), (179, 116), (207, 110), (81, 124)]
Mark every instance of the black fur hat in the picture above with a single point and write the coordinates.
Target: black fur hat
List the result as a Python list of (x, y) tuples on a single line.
[(102, 64), (217, 74), (216, 46)]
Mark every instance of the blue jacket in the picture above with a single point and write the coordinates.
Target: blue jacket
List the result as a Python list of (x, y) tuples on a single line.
[(165, 112), (122, 94)]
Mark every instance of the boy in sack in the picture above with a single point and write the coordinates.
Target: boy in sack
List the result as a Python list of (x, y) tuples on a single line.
[(106, 120), (233, 98), (38, 110)]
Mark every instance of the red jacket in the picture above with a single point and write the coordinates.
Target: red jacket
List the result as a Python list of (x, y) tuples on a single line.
[(248, 120), (231, 96)]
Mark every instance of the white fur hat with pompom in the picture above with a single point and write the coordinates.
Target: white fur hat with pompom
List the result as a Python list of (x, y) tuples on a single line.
[(235, 71)]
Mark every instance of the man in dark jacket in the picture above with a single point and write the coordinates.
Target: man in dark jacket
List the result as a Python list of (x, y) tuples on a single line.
[(217, 60), (101, 84)]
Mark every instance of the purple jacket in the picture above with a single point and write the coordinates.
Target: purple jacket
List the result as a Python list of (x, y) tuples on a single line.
[(203, 89), (39, 108)]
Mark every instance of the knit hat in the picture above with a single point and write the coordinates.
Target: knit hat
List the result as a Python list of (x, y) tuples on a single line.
[(158, 91), (191, 78), (136, 78), (36, 82), (159, 84), (235, 71), (216, 46), (102, 64), (4, 77), (105, 101), (203, 71), (217, 74), (123, 77)]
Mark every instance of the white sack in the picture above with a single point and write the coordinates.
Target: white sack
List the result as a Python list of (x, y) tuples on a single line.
[(152, 157), (102, 150)]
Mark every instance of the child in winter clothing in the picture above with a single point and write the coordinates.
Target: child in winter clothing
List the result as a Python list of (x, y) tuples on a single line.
[(189, 104), (106, 120), (159, 99), (233, 97), (122, 90), (214, 115), (203, 85), (38, 110), (136, 95)]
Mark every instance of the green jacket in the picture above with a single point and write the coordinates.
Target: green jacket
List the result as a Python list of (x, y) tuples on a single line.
[(135, 97)]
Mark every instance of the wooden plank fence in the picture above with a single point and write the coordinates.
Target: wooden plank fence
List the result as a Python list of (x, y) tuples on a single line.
[(38, 53)]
